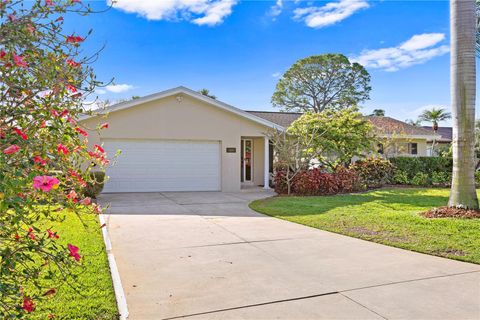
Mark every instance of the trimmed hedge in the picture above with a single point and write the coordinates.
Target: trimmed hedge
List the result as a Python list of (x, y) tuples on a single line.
[(422, 171)]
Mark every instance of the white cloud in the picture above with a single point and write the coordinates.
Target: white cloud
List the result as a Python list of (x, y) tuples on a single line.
[(276, 74), (100, 91), (330, 13), (276, 9), (416, 50), (118, 88), (200, 12)]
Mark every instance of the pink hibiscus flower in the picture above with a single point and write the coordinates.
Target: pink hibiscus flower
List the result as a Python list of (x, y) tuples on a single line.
[(74, 252), (45, 183), (12, 149)]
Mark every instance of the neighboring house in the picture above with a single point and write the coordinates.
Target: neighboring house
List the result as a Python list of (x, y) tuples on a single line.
[(181, 140), (443, 141), (397, 138)]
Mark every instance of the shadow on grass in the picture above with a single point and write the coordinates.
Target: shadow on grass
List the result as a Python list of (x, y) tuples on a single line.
[(394, 198)]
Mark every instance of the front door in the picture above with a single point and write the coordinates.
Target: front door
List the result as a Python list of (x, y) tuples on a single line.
[(247, 161)]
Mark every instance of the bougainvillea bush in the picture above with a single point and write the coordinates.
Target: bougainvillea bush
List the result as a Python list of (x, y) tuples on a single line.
[(44, 158)]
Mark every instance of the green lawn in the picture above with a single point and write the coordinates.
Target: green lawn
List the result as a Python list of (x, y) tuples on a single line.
[(388, 216), (96, 299)]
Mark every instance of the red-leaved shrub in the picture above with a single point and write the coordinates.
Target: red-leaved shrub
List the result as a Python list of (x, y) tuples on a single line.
[(315, 182)]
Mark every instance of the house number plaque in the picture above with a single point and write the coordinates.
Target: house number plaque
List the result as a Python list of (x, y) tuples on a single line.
[(231, 150)]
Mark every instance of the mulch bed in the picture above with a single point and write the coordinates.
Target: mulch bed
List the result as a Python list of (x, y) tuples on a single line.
[(446, 212)]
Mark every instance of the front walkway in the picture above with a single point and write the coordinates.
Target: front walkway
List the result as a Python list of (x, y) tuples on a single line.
[(206, 255)]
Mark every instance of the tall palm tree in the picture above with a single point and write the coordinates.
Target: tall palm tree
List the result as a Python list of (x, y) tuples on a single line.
[(463, 26), (434, 116)]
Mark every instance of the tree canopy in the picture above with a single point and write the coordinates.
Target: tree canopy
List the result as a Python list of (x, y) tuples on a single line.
[(320, 82), (345, 134)]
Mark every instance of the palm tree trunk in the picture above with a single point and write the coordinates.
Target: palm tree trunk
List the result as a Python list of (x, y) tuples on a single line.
[(463, 29)]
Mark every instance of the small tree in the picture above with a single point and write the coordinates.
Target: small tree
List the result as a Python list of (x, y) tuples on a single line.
[(44, 156), (346, 134), (320, 82), (378, 113), (293, 153), (434, 115)]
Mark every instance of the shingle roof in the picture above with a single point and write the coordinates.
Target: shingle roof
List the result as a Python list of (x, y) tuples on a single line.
[(383, 125), (445, 132), (387, 125), (283, 119)]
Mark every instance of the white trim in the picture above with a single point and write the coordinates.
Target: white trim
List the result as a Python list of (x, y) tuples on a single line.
[(266, 164), (188, 92), (117, 283)]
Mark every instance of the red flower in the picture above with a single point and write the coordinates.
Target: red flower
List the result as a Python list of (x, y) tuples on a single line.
[(20, 133), (28, 304), (81, 131), (55, 113), (62, 149), (73, 250), (59, 19), (48, 2), (87, 201), (17, 237), (72, 195), (31, 235), (104, 125), (12, 149), (71, 120), (19, 62), (52, 234), (99, 148), (74, 39), (2, 54), (70, 88), (12, 17), (39, 160), (31, 28), (64, 112), (73, 63)]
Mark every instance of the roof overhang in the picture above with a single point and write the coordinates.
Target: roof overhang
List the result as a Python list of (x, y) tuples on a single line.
[(188, 92), (408, 136)]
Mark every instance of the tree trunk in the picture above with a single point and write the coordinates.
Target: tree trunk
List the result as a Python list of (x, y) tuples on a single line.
[(462, 73)]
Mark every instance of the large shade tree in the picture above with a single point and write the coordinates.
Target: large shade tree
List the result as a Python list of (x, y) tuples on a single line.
[(463, 25), (320, 82)]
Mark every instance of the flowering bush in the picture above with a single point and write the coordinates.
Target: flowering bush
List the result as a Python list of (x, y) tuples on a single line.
[(375, 172), (315, 182), (44, 158)]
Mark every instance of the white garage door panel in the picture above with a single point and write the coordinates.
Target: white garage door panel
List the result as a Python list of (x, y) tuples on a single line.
[(163, 165)]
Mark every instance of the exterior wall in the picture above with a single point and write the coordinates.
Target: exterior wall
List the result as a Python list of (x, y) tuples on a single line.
[(397, 147), (188, 119), (258, 161)]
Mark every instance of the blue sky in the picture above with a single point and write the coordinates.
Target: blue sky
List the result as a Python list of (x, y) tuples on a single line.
[(237, 49)]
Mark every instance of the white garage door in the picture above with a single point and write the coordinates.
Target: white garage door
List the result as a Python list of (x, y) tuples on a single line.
[(163, 165)]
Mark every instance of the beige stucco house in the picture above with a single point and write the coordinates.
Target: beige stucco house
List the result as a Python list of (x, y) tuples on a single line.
[(181, 140)]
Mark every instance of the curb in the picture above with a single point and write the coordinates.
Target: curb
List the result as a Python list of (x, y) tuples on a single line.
[(117, 283)]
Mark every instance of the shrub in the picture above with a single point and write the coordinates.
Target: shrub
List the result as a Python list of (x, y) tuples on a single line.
[(442, 179), (375, 172), (428, 165), (316, 182), (421, 179), (401, 177), (477, 177), (95, 186)]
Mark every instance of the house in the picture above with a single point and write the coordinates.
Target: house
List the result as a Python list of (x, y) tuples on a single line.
[(181, 140), (397, 138), (443, 141)]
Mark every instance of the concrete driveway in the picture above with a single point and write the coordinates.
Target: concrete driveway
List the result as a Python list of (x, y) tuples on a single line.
[(206, 255)]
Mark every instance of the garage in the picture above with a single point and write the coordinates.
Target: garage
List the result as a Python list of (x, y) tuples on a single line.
[(149, 165)]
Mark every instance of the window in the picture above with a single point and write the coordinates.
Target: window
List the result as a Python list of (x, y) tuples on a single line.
[(413, 148)]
